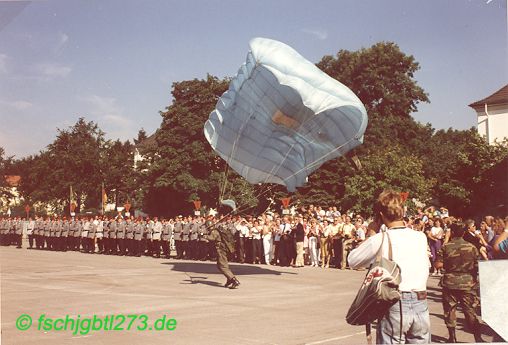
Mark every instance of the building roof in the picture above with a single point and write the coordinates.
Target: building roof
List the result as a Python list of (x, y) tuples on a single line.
[(12, 180), (148, 143), (498, 97)]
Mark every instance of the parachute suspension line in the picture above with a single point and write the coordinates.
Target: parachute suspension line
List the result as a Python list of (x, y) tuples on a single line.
[(233, 148), (306, 167), (224, 182)]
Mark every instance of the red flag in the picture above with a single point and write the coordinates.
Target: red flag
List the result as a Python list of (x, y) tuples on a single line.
[(404, 196), (285, 202)]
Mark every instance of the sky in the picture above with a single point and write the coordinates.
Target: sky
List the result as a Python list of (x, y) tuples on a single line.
[(114, 61)]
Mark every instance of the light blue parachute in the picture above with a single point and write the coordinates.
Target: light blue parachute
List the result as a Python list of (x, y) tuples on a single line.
[(282, 117), (230, 203)]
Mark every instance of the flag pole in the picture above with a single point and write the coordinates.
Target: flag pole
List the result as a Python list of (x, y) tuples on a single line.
[(102, 198), (70, 199)]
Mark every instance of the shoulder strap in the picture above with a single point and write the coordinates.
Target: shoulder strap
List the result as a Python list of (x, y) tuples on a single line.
[(380, 250), (389, 246)]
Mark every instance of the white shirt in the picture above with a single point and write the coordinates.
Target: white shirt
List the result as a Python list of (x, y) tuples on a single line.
[(437, 232), (244, 231), (409, 249)]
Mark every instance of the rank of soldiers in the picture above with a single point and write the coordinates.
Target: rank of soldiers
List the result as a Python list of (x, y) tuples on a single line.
[(189, 236)]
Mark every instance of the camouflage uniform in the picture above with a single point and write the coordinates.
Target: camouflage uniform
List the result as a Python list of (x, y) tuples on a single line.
[(225, 246), (460, 260)]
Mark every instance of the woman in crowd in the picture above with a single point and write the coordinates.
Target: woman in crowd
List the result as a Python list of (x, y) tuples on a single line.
[(267, 242), (326, 250), (435, 236), (312, 236)]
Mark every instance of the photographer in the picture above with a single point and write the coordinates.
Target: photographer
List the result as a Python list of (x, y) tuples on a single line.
[(407, 321)]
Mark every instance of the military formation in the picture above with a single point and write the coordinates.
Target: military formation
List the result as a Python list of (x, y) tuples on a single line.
[(189, 236)]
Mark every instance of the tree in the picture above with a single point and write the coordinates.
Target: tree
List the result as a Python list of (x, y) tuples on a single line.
[(381, 76), (460, 162), (118, 170), (183, 167), (141, 136), (391, 168)]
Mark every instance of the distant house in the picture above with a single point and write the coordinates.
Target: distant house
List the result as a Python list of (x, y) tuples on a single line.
[(142, 147), (492, 112)]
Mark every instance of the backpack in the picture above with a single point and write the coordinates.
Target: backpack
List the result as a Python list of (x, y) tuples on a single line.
[(379, 290)]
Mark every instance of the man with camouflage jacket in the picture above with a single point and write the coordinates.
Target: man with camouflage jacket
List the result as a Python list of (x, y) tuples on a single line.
[(460, 261), (225, 246)]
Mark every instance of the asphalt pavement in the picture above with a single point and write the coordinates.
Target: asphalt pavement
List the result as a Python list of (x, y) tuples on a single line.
[(273, 305)]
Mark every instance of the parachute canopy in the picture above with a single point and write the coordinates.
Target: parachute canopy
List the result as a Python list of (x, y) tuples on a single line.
[(282, 117), (229, 203)]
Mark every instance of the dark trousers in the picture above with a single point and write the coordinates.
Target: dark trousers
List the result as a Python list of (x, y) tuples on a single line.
[(337, 252), (31, 240), (194, 249), (276, 245), (63, 244), (241, 249), (156, 248), (212, 251), (202, 250), (122, 248), (222, 263), (179, 249), (19, 240), (256, 250), (185, 249), (166, 250)]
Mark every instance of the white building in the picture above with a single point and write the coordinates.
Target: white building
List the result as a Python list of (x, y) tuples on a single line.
[(492, 113)]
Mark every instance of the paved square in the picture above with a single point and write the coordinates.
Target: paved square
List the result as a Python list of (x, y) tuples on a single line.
[(273, 305)]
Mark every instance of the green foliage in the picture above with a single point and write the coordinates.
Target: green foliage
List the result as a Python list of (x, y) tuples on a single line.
[(381, 76), (461, 161), (79, 157), (5, 164), (184, 167)]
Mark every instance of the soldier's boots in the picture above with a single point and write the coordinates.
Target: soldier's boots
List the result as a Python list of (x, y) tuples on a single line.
[(234, 283), (452, 338)]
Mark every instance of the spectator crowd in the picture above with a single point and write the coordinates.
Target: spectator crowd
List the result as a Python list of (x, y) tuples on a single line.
[(311, 236)]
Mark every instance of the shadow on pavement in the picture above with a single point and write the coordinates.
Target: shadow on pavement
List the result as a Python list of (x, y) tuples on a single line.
[(211, 268)]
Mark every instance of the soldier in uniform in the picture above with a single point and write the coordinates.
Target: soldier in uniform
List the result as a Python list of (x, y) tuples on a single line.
[(99, 235), (3, 228), (193, 239), (106, 244), (121, 227), (57, 234), (225, 246), (147, 238), (156, 237), (129, 237), (185, 238), (177, 237), (91, 236), (167, 230), (30, 231), (139, 230), (203, 241), (460, 261), (65, 235), (85, 243), (76, 226), (112, 227), (18, 232), (47, 233)]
